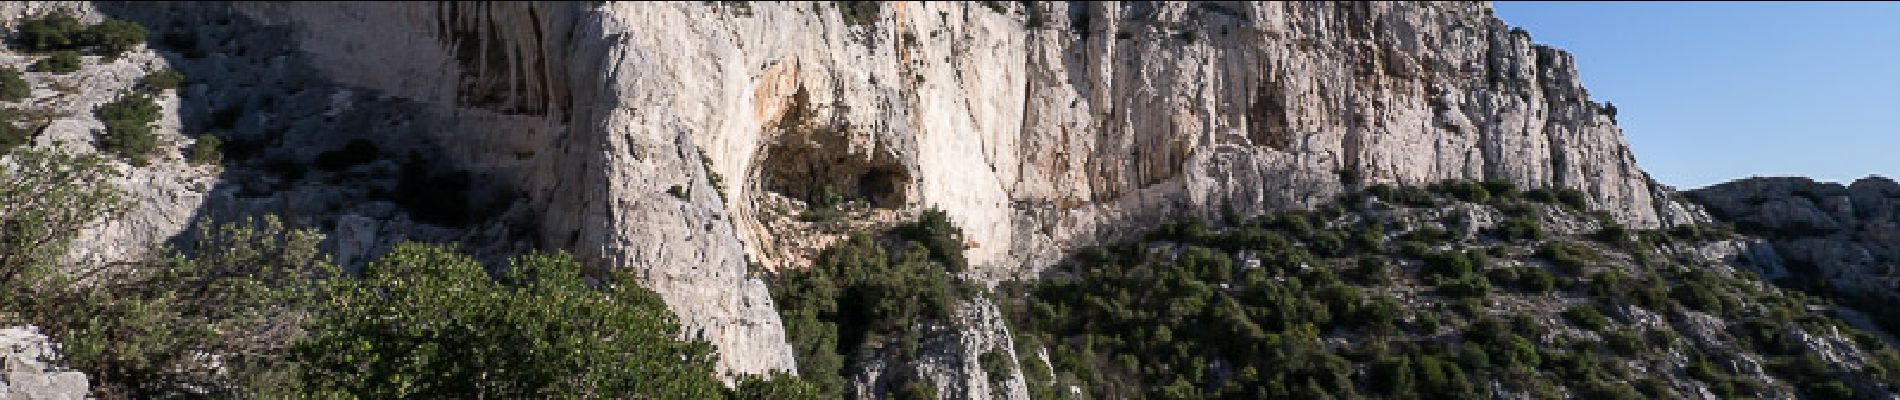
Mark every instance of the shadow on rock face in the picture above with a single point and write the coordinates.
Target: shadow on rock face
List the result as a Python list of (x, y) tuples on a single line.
[(360, 165)]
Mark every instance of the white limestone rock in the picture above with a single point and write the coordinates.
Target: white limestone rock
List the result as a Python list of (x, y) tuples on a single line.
[(1105, 121), (29, 368)]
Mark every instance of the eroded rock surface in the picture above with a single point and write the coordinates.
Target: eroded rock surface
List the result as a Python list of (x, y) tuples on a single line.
[(29, 368), (600, 128), (1843, 238)]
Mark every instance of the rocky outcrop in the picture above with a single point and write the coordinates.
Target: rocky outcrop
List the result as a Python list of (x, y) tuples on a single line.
[(1087, 120), (1845, 238), (977, 361), (166, 192), (29, 370), (600, 127)]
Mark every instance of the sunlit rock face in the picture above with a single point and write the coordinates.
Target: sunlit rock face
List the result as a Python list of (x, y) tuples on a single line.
[(599, 127)]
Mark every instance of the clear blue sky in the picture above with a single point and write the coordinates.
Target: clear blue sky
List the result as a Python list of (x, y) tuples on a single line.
[(1708, 92)]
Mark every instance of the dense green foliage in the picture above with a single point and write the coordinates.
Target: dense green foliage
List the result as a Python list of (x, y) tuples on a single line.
[(128, 123), (61, 62), (160, 80), (427, 322), (54, 31), (13, 87), (207, 149), (141, 333), (11, 133), (1259, 310), (61, 31), (870, 295), (252, 310), (45, 200), (114, 37)]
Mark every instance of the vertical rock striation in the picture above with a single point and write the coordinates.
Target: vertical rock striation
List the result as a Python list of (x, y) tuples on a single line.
[(1038, 126)]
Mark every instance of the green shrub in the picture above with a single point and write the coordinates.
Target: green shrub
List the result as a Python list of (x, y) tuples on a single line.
[(777, 386), (1473, 286), (1381, 315), (1519, 229), (1541, 195), (1414, 249), (146, 334), (63, 61), (164, 79), (1463, 190), (1392, 376), (59, 30), (1502, 189), (1613, 234), (535, 331), (1328, 244), (863, 295), (1450, 264), (13, 87), (1429, 235), (1573, 198), (114, 37), (206, 149), (1404, 195), (1697, 296), (1371, 270), (1831, 389), (1700, 232), (11, 133), (128, 123), (49, 198), (1586, 317), (1570, 258), (995, 365), (1535, 280), (915, 391), (1370, 238), (1625, 342), (934, 230), (1443, 379)]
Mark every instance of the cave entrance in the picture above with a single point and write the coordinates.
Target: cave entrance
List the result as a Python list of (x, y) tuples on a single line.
[(826, 173), (882, 187)]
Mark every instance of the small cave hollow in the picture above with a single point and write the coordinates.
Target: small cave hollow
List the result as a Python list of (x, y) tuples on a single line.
[(825, 173)]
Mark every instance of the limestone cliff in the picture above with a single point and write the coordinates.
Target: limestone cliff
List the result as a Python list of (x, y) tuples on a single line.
[(1046, 126), (601, 128)]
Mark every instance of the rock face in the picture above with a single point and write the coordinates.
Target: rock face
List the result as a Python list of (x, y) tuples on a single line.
[(646, 136), (971, 358), (28, 372), (1843, 238), (1047, 127)]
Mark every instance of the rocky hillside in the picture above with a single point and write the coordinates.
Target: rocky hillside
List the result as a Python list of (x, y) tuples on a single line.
[(708, 147), (1462, 291), (1832, 240), (1038, 127)]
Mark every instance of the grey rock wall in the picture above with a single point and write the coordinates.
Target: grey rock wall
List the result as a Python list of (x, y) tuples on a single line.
[(1038, 128), (29, 368)]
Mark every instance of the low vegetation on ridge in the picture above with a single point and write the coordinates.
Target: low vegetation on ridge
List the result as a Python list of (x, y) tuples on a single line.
[(254, 309), (1382, 296)]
